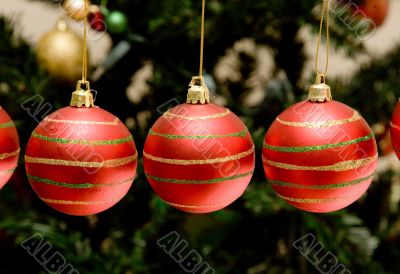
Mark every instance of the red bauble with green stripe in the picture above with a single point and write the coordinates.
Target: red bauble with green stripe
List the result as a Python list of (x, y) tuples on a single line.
[(9, 147), (81, 161), (395, 129), (320, 155), (199, 158)]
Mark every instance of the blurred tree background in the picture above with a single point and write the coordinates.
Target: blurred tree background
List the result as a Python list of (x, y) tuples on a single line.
[(256, 233)]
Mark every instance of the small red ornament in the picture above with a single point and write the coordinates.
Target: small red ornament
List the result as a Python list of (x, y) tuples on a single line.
[(320, 155), (376, 10), (199, 158), (79, 160), (96, 19), (395, 129), (9, 150)]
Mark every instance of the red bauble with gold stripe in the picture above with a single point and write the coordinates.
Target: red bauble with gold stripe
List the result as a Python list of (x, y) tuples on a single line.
[(320, 157), (9, 147), (395, 129), (199, 158), (81, 161)]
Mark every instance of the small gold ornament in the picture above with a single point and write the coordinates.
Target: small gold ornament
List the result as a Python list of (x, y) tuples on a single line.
[(75, 9), (60, 52)]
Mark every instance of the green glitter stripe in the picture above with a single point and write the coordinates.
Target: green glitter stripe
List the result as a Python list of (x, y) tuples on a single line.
[(8, 124), (211, 181), (314, 201), (83, 142), (331, 186), (242, 133), (76, 186), (316, 148)]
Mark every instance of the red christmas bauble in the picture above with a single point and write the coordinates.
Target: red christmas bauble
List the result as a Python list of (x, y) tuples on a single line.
[(81, 161), (376, 10), (9, 149), (96, 19), (319, 157), (395, 129), (199, 158)]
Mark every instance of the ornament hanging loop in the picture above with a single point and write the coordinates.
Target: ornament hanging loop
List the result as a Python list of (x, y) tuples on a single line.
[(320, 92), (83, 97), (320, 78), (81, 83), (85, 45), (203, 10), (324, 17), (198, 92)]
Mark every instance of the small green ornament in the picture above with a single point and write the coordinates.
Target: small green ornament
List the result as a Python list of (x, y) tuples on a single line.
[(117, 22)]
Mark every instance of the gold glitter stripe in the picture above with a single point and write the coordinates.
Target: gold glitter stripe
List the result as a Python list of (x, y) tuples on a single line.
[(197, 206), (82, 142), (8, 171), (394, 126), (341, 166), (198, 182), (69, 202), (242, 133), (169, 115), (9, 154), (199, 162), (321, 124), (105, 164), (76, 185), (7, 124), (317, 147), (312, 201), (329, 186), (82, 122)]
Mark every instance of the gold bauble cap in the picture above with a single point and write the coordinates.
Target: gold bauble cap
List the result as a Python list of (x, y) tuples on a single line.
[(320, 92), (198, 92), (82, 97)]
